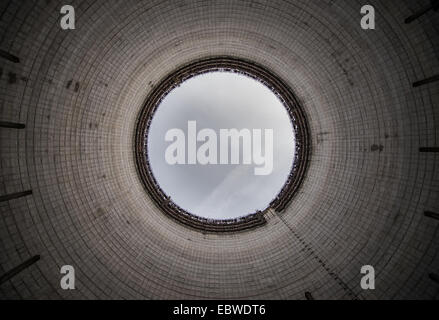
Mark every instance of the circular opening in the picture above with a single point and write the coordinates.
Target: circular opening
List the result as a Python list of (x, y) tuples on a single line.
[(221, 145), (203, 144)]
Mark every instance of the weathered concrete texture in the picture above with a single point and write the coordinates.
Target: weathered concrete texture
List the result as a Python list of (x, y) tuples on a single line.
[(79, 93)]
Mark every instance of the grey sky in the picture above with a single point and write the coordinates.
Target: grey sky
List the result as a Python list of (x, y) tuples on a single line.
[(221, 100)]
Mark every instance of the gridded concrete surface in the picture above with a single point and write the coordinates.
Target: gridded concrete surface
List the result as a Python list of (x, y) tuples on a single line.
[(79, 93)]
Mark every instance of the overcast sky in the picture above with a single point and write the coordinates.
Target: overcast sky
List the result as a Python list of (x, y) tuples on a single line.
[(221, 100)]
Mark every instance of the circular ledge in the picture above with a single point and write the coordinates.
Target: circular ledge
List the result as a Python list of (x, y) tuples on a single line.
[(257, 72)]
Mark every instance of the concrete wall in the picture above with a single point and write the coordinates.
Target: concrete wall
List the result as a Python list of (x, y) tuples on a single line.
[(79, 93)]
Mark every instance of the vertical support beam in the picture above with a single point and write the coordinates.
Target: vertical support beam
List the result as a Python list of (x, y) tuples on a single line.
[(434, 277), (433, 6), (308, 296), (12, 125), (417, 15), (429, 149), (15, 195), (8, 56), (433, 215), (13, 272), (426, 81)]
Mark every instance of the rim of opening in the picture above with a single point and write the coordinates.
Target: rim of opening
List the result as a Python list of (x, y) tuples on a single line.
[(250, 69)]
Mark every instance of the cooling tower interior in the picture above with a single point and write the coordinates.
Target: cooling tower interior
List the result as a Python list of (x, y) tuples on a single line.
[(70, 188)]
